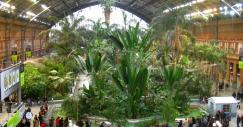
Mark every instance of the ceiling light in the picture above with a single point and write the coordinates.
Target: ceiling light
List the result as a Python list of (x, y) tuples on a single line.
[(44, 6), (13, 7), (199, 1), (194, 2), (5, 4), (34, 1), (30, 13), (232, 13)]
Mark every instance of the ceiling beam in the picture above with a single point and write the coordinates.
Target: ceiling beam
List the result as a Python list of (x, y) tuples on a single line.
[(134, 11), (67, 6), (55, 11), (131, 3), (119, 5), (151, 2)]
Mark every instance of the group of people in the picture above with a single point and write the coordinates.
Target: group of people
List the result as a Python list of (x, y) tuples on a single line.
[(39, 120), (219, 120), (238, 95), (83, 122), (239, 120), (25, 121), (60, 122)]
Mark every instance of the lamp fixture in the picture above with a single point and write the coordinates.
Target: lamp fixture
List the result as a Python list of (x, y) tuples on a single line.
[(44, 7)]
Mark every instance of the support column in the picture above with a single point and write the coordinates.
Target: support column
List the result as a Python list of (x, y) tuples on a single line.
[(234, 82), (40, 48), (241, 78), (7, 45), (33, 41), (227, 73), (236, 48), (22, 44), (19, 95)]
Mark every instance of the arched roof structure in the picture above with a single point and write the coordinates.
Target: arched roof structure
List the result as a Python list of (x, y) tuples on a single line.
[(145, 9)]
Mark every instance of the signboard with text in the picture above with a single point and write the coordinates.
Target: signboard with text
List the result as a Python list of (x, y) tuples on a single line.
[(10, 79)]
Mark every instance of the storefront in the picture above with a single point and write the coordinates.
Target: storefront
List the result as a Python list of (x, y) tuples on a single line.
[(10, 85)]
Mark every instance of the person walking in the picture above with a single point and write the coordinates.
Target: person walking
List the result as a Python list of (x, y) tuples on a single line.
[(80, 123), (51, 122), (238, 95), (241, 96), (58, 121), (180, 124), (36, 121), (234, 94), (43, 124), (61, 122), (87, 123), (66, 122), (241, 119), (238, 119), (40, 119)]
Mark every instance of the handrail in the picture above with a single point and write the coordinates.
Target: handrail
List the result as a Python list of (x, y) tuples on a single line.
[(11, 114)]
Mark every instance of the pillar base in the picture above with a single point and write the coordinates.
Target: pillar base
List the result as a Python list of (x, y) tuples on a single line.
[(234, 85)]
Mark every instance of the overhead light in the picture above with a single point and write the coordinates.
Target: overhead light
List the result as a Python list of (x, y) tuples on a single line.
[(13, 7), (30, 13), (34, 1), (5, 4), (184, 5), (232, 13), (44, 6), (6, 7)]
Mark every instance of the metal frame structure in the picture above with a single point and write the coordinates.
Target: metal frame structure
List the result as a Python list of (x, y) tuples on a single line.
[(145, 9)]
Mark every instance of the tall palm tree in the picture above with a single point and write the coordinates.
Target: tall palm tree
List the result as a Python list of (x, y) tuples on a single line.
[(107, 4)]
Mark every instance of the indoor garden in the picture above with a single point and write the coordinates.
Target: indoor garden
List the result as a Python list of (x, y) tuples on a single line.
[(137, 77)]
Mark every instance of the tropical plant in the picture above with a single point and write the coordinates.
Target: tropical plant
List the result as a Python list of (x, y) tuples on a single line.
[(61, 83), (132, 40), (93, 62), (35, 83), (132, 82), (107, 4)]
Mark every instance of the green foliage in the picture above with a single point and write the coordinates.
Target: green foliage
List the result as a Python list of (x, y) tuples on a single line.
[(132, 82), (35, 83), (132, 40), (124, 84), (93, 62), (107, 4), (70, 108)]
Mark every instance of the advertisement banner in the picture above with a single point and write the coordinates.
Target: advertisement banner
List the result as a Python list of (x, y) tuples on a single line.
[(14, 120), (9, 81), (240, 64)]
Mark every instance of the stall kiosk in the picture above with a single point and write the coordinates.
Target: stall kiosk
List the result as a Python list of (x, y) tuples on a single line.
[(227, 104)]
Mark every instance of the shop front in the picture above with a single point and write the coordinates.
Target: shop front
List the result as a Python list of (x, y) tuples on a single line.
[(10, 87)]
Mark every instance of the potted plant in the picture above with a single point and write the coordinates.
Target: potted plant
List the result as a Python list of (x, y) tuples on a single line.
[(106, 4)]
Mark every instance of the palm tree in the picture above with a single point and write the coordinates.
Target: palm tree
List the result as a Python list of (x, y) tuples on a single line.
[(171, 28), (107, 4)]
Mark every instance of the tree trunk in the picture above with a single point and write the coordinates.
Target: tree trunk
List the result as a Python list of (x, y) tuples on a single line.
[(107, 12)]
